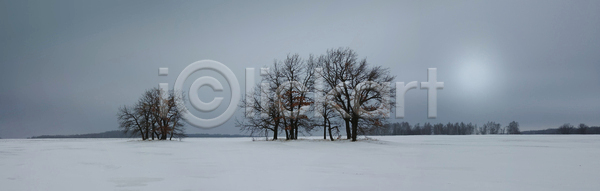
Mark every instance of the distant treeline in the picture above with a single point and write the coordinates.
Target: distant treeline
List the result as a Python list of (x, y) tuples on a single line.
[(567, 129), (214, 135), (120, 134), (404, 128), (107, 134)]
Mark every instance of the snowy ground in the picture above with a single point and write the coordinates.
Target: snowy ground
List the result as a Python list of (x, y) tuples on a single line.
[(392, 163)]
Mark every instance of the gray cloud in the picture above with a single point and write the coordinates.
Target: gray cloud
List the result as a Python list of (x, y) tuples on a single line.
[(68, 65)]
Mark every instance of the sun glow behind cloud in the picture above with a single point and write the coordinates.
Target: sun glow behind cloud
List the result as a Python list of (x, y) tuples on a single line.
[(478, 74), (475, 74)]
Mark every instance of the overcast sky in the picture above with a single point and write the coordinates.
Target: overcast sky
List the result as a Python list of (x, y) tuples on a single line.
[(66, 66)]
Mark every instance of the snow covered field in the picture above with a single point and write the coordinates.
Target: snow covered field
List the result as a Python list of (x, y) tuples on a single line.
[(530, 162)]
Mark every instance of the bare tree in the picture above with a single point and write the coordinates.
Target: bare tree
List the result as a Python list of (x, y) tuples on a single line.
[(132, 122), (153, 116), (471, 129), (513, 128), (438, 129), (343, 73), (565, 129), (292, 94), (492, 127), (483, 130), (169, 115), (582, 128), (268, 117), (327, 115), (281, 98)]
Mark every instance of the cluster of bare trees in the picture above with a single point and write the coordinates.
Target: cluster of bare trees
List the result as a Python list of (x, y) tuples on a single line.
[(404, 128), (155, 115), (581, 129), (495, 128), (513, 128), (334, 89), (567, 128)]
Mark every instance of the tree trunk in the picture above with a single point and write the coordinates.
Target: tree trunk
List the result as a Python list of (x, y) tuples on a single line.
[(354, 128), (330, 136), (287, 135), (348, 134), (275, 131), (325, 128)]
